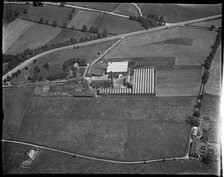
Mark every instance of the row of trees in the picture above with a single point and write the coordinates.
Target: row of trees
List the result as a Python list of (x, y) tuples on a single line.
[(152, 20), (14, 60), (194, 119)]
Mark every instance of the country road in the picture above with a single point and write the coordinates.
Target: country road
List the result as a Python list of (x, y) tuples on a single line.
[(94, 158), (29, 61)]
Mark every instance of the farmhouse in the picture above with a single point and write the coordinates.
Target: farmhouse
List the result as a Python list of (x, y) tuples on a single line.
[(117, 67)]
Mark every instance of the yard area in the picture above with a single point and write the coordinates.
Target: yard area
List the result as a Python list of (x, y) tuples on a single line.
[(99, 127), (189, 46), (15, 101), (36, 36), (106, 6), (177, 13), (113, 24), (184, 81)]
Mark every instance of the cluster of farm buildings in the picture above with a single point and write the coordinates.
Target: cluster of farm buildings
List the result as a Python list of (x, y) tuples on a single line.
[(120, 78)]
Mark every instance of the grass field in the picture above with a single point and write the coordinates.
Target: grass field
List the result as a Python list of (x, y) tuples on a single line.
[(56, 59), (113, 24), (100, 127), (15, 101), (189, 46), (127, 9), (13, 31), (49, 12), (213, 86), (186, 84), (36, 36), (177, 13), (109, 6)]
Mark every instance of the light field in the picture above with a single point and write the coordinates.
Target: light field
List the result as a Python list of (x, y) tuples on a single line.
[(13, 31), (36, 36)]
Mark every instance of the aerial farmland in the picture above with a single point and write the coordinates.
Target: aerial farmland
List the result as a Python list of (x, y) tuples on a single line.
[(111, 88)]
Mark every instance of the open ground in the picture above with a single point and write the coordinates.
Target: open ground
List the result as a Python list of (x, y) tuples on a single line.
[(116, 128)]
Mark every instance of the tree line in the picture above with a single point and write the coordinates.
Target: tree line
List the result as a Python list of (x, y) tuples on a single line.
[(152, 20), (193, 119)]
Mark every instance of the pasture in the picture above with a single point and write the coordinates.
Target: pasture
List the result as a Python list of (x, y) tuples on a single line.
[(15, 101), (177, 13), (56, 59), (105, 6), (127, 9), (183, 81), (36, 36), (116, 128), (113, 24), (49, 12), (13, 31), (189, 46)]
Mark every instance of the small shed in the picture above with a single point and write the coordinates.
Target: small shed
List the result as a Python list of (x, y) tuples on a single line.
[(32, 154)]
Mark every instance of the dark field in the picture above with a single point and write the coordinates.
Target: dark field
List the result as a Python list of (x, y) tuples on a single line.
[(15, 101), (67, 34), (99, 127)]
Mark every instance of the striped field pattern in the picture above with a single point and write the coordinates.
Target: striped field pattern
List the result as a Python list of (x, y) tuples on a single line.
[(144, 81), (115, 91)]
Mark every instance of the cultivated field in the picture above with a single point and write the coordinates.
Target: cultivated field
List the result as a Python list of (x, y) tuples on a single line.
[(49, 12), (117, 128), (127, 9), (113, 24), (36, 36), (184, 81), (13, 31), (15, 101), (213, 86), (189, 46), (177, 13), (109, 6)]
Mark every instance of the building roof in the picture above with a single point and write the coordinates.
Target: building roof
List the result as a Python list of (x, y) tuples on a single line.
[(117, 67)]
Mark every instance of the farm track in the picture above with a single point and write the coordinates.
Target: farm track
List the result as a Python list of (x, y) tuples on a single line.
[(29, 61), (95, 158)]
